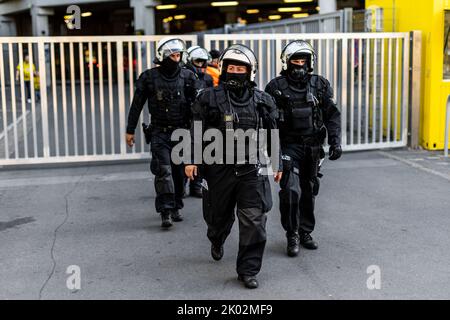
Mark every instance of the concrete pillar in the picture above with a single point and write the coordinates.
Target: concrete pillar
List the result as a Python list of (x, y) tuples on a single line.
[(144, 16), (7, 27), (39, 20), (327, 6)]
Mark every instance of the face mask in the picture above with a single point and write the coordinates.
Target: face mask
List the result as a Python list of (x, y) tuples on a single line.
[(236, 80), (298, 73), (169, 66)]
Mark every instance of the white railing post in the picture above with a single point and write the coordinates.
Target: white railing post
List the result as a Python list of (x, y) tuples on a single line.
[(121, 92), (43, 90)]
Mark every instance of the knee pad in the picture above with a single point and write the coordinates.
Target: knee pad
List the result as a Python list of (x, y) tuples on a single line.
[(163, 180)]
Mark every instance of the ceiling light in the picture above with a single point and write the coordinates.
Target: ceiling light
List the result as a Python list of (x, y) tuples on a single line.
[(290, 9), (297, 1), (180, 17), (252, 11), (274, 17), (86, 14), (300, 15), (224, 3), (166, 6)]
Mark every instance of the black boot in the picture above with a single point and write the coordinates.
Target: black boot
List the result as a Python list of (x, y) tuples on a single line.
[(166, 220), (249, 281), (176, 215), (293, 246), (307, 241), (216, 252)]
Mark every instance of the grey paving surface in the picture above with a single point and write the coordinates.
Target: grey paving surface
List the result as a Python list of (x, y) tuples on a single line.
[(374, 209)]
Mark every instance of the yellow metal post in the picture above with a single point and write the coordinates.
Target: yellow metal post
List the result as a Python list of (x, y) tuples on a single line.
[(428, 17)]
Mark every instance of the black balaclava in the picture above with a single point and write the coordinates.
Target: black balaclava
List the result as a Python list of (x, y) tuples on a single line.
[(169, 67), (296, 73), (236, 83)]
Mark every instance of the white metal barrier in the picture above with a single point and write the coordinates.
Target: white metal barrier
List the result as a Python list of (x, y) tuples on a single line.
[(369, 73), (339, 21), (86, 86), (87, 83)]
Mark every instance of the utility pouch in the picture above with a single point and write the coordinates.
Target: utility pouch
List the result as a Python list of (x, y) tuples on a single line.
[(287, 163), (228, 118), (302, 118), (147, 129)]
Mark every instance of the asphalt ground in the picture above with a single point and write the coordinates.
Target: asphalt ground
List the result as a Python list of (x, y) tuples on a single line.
[(384, 211)]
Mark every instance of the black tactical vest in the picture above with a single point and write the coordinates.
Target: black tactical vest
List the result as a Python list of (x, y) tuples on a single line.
[(225, 113), (302, 115), (234, 114), (168, 105)]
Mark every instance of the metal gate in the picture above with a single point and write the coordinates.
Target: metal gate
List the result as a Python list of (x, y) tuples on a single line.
[(369, 73), (86, 85), (79, 101)]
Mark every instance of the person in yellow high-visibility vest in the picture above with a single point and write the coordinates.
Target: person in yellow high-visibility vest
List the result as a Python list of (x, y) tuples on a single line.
[(37, 87), (25, 67)]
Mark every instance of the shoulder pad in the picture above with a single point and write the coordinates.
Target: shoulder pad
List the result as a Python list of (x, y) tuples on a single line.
[(153, 73), (319, 82), (281, 82), (186, 73), (263, 97)]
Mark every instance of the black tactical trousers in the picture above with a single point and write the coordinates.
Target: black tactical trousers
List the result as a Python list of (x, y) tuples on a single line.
[(169, 178), (251, 194), (299, 186)]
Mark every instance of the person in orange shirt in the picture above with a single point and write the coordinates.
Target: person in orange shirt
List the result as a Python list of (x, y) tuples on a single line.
[(213, 66)]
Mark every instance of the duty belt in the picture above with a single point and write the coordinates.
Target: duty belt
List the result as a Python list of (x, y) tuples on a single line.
[(307, 140), (168, 128)]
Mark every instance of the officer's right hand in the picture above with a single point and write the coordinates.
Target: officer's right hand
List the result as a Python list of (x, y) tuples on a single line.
[(190, 171), (335, 152), (130, 139)]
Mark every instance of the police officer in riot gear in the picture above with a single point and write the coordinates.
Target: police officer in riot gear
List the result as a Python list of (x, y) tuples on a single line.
[(308, 113), (236, 104), (170, 90), (197, 61)]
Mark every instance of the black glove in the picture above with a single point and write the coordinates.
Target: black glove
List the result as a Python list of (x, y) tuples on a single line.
[(335, 152), (190, 92), (281, 98), (263, 112)]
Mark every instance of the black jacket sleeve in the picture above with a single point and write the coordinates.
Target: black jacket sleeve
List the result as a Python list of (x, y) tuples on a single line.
[(331, 113), (191, 89), (199, 111), (270, 118), (139, 99)]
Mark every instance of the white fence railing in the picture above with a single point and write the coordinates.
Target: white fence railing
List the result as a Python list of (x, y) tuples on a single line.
[(369, 73), (86, 86), (87, 83)]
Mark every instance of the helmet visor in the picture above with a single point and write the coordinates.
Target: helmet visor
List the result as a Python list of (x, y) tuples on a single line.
[(297, 48), (240, 53), (199, 54), (172, 46)]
